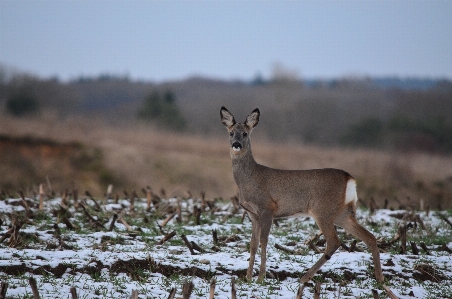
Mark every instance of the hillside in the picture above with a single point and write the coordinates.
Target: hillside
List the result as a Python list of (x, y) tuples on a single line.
[(395, 140), (133, 157)]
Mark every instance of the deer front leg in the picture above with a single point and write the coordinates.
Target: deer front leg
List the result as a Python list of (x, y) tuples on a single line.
[(265, 231), (254, 244)]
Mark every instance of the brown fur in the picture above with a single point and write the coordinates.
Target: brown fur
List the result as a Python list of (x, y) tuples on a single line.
[(267, 193)]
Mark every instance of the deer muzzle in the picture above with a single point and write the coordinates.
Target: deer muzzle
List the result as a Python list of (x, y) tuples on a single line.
[(236, 146)]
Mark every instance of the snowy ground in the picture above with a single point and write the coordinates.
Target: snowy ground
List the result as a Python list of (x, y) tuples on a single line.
[(109, 264)]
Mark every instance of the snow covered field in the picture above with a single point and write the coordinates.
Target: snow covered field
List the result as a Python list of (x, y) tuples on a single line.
[(100, 263)]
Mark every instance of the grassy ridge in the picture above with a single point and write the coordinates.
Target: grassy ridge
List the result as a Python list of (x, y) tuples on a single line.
[(134, 156)]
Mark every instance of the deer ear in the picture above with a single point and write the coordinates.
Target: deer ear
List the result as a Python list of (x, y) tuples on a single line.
[(253, 119), (227, 118)]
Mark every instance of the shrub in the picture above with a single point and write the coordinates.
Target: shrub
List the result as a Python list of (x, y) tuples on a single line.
[(433, 130), (367, 132), (162, 109), (21, 103)]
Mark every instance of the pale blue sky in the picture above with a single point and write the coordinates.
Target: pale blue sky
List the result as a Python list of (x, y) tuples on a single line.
[(171, 40)]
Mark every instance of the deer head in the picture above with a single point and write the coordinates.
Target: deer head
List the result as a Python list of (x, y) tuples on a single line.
[(239, 133)]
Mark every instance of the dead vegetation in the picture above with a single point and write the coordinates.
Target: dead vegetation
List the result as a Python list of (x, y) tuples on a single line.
[(59, 220)]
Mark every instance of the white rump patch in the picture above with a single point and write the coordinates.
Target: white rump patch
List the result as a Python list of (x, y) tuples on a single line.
[(350, 192)]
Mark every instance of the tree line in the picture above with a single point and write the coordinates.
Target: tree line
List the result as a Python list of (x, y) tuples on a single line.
[(346, 112)]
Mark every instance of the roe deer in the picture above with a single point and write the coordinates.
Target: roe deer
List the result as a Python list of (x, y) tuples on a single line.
[(327, 195)]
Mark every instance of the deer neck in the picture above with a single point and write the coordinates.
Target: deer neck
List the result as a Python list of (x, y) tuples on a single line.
[(243, 166)]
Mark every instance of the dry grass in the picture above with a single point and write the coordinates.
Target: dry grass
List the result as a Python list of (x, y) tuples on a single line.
[(145, 156)]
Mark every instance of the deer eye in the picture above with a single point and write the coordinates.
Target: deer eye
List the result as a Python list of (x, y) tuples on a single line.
[(231, 133), (245, 134)]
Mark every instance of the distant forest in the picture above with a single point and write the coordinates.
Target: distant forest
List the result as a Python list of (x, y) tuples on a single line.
[(390, 113)]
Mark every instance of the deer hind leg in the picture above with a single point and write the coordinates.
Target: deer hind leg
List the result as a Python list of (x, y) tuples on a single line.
[(254, 244), (265, 226), (352, 226), (332, 244)]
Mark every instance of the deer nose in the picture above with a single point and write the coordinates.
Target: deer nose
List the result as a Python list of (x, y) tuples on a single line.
[(236, 146)]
